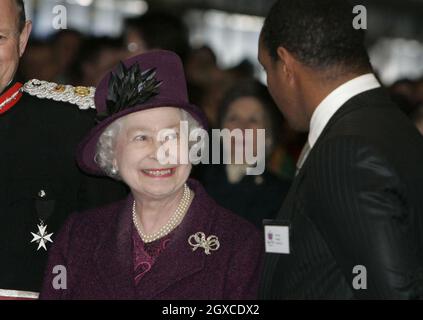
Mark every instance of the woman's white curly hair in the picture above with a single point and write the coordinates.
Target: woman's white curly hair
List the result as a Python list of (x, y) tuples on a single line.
[(106, 145)]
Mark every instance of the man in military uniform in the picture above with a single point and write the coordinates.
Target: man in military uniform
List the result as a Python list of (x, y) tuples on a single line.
[(41, 125)]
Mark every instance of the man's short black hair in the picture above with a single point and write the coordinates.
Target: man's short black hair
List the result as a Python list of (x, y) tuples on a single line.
[(21, 12), (319, 33)]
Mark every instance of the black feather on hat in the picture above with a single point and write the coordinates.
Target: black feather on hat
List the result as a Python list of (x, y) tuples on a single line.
[(129, 87)]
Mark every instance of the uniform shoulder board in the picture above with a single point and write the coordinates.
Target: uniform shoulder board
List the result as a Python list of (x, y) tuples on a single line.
[(83, 97)]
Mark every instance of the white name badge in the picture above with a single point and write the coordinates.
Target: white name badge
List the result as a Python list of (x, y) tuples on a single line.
[(277, 239)]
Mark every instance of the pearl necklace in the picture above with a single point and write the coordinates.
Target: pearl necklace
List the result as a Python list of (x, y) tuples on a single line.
[(173, 222)]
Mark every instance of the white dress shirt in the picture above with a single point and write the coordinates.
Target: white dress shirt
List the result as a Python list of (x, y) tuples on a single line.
[(328, 107), (335, 100)]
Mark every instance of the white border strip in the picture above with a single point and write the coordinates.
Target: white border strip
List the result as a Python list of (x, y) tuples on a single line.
[(18, 294)]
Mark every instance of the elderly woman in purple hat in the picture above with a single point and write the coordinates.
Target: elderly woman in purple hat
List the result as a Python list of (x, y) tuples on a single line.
[(168, 239)]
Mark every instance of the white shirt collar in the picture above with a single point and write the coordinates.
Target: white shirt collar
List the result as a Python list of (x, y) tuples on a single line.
[(335, 100)]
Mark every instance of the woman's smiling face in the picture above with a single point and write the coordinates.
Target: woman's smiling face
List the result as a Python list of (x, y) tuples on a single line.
[(136, 152)]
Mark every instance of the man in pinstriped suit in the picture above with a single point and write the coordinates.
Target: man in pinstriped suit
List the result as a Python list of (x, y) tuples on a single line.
[(356, 202)]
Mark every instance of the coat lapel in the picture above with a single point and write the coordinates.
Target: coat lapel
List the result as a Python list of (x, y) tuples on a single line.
[(114, 260), (114, 255), (179, 261)]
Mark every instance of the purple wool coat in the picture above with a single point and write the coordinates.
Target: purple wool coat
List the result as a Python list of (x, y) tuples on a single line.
[(97, 250)]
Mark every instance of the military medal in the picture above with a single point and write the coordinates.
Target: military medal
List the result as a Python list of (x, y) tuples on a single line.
[(42, 236), (44, 208), (10, 97)]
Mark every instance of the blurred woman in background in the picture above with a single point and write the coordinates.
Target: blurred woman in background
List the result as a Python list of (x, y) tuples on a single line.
[(247, 105)]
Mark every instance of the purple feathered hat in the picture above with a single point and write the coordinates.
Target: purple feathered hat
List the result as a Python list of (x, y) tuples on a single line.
[(150, 80)]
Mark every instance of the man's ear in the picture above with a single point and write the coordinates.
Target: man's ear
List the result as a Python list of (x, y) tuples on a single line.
[(287, 60), (24, 36)]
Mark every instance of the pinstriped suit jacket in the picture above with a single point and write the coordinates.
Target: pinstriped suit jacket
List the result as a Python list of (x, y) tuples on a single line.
[(357, 201)]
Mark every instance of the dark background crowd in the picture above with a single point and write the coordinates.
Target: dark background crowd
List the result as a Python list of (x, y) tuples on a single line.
[(79, 57)]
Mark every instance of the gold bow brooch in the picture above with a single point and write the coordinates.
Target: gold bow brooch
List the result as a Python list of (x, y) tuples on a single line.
[(199, 240)]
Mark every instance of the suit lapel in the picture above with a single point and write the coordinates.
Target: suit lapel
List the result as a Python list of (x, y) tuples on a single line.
[(114, 260), (286, 213)]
